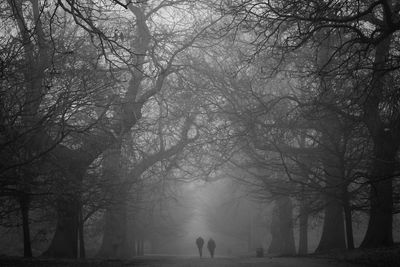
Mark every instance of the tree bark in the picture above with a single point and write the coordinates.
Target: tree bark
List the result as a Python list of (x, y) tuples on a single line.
[(303, 230), (348, 221), (114, 244), (333, 227), (82, 253), (65, 241), (282, 242), (379, 231), (333, 232), (24, 206), (385, 135)]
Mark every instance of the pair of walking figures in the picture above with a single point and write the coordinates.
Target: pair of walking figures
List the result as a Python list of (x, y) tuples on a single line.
[(210, 245)]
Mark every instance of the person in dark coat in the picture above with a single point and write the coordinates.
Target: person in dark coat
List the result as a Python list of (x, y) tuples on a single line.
[(200, 243), (211, 247)]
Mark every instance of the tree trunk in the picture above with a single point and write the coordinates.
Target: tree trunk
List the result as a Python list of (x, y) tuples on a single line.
[(131, 236), (333, 232), (379, 232), (385, 133), (333, 229), (348, 221), (282, 242), (82, 253), (303, 230), (250, 236), (24, 205), (65, 240), (133, 248), (114, 245), (140, 247), (333, 235)]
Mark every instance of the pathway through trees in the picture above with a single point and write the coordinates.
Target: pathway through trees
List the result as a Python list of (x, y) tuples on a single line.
[(170, 261)]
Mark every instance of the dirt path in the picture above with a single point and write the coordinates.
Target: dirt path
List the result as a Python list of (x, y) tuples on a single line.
[(181, 262), (254, 262)]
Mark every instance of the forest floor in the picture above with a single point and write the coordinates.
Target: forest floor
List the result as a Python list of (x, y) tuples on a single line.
[(174, 261), (385, 257), (377, 257)]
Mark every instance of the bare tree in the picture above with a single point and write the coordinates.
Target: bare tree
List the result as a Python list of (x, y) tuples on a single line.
[(364, 57)]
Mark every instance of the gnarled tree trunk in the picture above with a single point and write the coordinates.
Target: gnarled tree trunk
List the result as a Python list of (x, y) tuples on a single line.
[(333, 227), (114, 244), (379, 232), (385, 135), (282, 242), (65, 241)]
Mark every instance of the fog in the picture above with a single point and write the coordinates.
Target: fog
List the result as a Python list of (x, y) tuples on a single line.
[(219, 211), (131, 128)]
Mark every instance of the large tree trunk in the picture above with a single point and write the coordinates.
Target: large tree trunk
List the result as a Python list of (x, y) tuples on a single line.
[(333, 232), (333, 229), (132, 233), (114, 244), (385, 135), (65, 240), (282, 242), (303, 229), (379, 232)]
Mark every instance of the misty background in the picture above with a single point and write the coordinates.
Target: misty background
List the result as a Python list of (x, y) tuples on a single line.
[(130, 128)]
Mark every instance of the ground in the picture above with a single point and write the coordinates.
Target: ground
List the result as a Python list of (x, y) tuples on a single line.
[(182, 262)]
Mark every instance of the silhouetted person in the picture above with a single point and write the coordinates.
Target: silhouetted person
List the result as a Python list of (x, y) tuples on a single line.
[(211, 247), (200, 243)]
